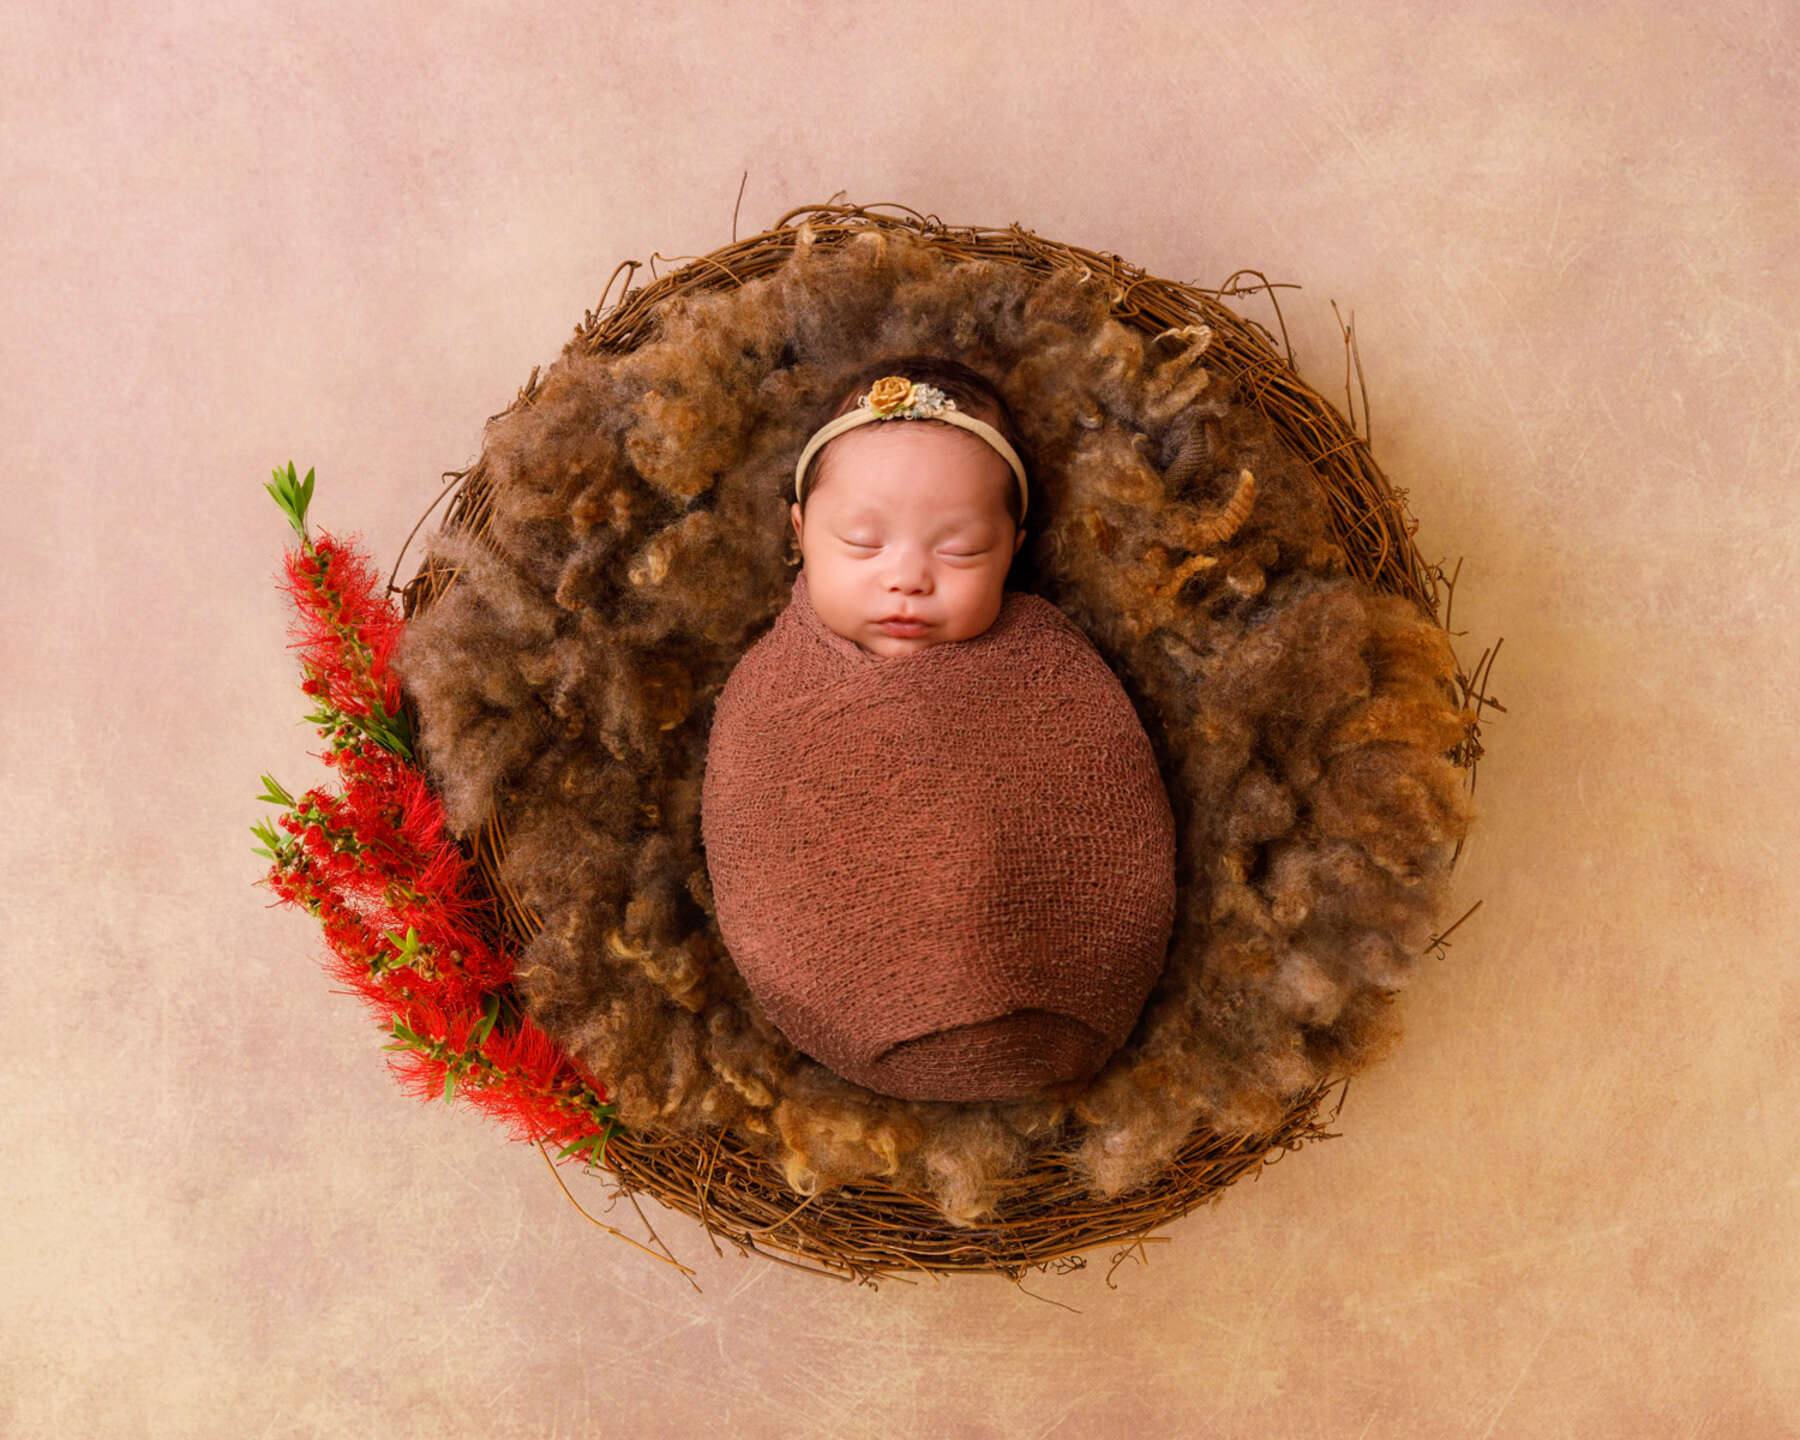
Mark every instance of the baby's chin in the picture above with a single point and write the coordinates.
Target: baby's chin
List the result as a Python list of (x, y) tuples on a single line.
[(892, 647)]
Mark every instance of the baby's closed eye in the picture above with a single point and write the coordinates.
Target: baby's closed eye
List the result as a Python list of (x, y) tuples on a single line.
[(947, 554)]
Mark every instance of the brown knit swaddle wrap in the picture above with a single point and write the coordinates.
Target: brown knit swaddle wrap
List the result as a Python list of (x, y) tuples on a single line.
[(948, 875)]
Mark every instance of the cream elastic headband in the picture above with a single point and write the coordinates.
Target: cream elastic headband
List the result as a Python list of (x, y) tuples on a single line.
[(894, 397)]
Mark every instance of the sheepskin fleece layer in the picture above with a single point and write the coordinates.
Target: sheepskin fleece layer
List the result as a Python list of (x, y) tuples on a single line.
[(638, 545), (949, 875)]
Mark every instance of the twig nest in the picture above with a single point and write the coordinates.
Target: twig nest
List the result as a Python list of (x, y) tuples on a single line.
[(623, 542)]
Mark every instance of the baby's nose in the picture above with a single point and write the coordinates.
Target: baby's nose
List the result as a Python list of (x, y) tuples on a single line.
[(910, 573)]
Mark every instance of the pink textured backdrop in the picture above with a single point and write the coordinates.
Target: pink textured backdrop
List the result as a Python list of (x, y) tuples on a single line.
[(238, 234)]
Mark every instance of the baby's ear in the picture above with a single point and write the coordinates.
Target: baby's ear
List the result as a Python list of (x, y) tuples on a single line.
[(794, 515)]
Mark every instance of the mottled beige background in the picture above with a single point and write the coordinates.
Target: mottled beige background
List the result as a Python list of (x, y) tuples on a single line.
[(235, 235)]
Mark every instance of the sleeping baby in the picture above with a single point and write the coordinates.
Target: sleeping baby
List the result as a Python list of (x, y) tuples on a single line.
[(941, 853)]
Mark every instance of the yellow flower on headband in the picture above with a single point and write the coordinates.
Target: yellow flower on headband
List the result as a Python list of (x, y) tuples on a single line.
[(891, 392)]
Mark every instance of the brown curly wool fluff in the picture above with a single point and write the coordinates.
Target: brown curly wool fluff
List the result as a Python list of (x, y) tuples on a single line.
[(638, 544)]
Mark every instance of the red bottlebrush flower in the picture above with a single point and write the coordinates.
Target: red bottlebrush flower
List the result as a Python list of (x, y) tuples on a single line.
[(408, 923), (460, 1027), (352, 969), (344, 625), (420, 1075), (422, 822), (446, 881), (362, 815), (426, 1019), (532, 1114), (529, 1054), (352, 575), (353, 941), (382, 639), (340, 869), (535, 1090)]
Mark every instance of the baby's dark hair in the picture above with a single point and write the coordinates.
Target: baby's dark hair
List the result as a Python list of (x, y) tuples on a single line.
[(972, 391)]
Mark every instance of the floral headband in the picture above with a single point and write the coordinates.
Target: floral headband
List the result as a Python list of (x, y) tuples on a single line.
[(894, 397)]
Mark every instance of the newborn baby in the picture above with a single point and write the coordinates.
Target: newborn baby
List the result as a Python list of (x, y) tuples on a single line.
[(941, 853)]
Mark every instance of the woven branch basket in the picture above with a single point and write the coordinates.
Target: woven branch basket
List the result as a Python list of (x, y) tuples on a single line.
[(1045, 1220)]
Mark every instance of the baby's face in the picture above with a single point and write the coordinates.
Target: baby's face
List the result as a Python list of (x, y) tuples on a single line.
[(910, 520)]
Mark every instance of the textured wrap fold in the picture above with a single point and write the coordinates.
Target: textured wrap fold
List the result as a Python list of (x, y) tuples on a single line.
[(946, 875)]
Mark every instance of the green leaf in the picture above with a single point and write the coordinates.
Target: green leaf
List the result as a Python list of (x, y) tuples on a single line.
[(449, 1085), (292, 495), (406, 947), (490, 1012), (273, 792), (592, 1148)]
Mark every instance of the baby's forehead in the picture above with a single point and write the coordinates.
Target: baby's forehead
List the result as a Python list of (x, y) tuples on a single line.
[(965, 470)]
